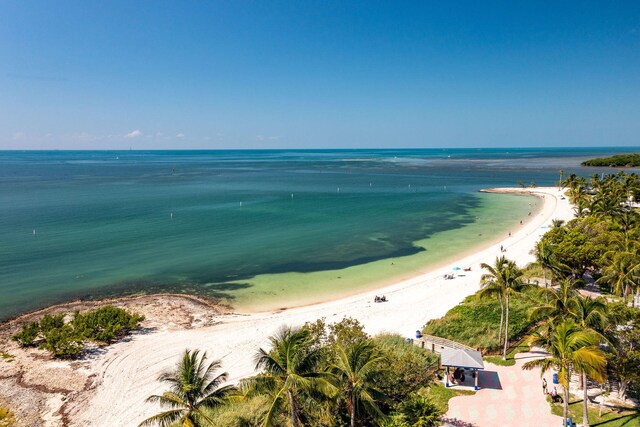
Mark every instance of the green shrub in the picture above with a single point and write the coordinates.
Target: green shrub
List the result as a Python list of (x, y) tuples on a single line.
[(28, 335), (49, 322), (419, 411), (410, 367), (248, 412), (62, 342), (105, 324)]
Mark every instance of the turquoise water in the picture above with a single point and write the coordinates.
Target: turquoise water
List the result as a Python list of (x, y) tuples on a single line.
[(215, 222)]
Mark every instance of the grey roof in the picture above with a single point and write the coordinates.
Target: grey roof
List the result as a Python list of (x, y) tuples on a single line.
[(461, 358)]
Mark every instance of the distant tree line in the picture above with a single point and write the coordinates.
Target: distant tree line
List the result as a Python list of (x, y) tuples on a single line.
[(619, 160)]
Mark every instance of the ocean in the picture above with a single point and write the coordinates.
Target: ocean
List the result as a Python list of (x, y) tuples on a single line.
[(257, 229)]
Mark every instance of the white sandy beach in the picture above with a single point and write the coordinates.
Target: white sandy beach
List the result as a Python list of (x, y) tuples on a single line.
[(127, 372)]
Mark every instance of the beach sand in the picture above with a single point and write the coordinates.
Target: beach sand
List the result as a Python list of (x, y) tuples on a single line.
[(118, 380)]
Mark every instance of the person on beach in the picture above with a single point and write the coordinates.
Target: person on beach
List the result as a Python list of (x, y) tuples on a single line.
[(544, 386)]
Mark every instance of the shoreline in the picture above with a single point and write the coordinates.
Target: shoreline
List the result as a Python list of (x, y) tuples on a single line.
[(106, 398), (350, 289), (83, 305)]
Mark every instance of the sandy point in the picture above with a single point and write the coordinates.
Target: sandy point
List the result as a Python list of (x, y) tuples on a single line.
[(120, 378)]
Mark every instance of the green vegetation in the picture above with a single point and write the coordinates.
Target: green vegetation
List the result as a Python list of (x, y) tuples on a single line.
[(600, 417), (105, 324), (440, 395), (66, 339), (619, 160), (330, 375), (193, 388), (511, 353), (475, 321)]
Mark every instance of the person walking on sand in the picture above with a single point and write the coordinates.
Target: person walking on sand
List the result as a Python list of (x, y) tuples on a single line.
[(544, 386)]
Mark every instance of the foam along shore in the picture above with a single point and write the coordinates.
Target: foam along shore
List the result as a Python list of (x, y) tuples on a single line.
[(124, 375)]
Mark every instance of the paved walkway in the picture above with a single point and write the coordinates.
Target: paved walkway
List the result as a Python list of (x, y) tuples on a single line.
[(508, 395)]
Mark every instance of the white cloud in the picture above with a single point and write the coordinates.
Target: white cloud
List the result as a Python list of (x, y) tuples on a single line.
[(133, 134), (180, 135), (270, 138), (19, 135)]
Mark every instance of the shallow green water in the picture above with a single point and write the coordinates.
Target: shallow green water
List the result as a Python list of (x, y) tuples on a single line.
[(252, 227)]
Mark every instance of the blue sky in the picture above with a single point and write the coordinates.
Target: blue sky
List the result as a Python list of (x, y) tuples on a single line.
[(306, 74)]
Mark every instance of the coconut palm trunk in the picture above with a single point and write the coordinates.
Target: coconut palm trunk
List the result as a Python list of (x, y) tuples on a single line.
[(292, 404), (506, 329), (501, 321), (353, 410), (565, 387), (585, 412)]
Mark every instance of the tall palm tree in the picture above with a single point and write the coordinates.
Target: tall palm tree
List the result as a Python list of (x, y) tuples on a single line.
[(354, 372), (507, 277), (589, 314), (491, 287), (289, 372), (544, 255), (559, 303), (194, 387), (569, 346), (620, 273)]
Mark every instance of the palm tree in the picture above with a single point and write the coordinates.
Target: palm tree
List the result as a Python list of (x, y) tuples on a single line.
[(544, 255), (620, 273), (354, 372), (506, 277), (492, 287), (589, 314), (559, 303), (569, 346), (193, 388), (289, 372)]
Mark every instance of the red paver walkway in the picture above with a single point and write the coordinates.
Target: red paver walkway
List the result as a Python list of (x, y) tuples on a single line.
[(509, 395)]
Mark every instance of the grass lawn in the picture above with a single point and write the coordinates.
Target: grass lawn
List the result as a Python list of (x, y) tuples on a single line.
[(475, 322), (611, 417), (511, 353), (441, 395)]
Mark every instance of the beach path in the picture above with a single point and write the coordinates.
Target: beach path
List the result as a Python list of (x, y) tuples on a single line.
[(511, 394)]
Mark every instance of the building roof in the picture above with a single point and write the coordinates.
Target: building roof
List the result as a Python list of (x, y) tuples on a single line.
[(461, 358)]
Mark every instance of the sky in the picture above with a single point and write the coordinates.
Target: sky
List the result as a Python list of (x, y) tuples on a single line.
[(318, 74)]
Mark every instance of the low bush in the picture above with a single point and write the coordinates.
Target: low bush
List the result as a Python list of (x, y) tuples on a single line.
[(62, 342), (28, 335), (103, 325)]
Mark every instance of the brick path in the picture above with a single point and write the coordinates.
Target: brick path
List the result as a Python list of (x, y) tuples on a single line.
[(508, 395)]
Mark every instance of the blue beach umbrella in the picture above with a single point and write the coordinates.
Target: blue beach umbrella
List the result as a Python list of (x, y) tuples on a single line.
[(457, 268)]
